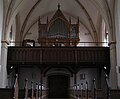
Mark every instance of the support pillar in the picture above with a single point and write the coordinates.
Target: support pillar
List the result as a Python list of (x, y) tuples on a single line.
[(3, 72), (113, 70)]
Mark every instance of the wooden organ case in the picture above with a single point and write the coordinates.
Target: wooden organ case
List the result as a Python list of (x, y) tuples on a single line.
[(58, 31)]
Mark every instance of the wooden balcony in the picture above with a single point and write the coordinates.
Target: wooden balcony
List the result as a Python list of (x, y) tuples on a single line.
[(74, 56)]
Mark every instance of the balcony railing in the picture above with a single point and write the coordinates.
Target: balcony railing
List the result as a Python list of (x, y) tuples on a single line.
[(79, 56), (58, 54), (56, 43)]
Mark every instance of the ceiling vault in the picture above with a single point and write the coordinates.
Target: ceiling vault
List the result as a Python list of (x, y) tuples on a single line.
[(91, 14), (26, 19), (90, 21), (7, 17), (33, 23), (111, 23)]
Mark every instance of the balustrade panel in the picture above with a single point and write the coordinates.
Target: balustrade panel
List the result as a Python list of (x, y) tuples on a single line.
[(57, 55)]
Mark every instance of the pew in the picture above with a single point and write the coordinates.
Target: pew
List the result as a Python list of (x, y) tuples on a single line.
[(6, 93), (27, 93), (77, 91)]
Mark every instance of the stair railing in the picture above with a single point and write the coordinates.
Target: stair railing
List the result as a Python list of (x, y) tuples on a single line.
[(45, 90), (108, 86), (16, 87), (81, 94), (72, 91), (86, 90), (78, 88), (74, 88), (26, 89), (32, 90), (39, 90), (36, 90), (94, 89)]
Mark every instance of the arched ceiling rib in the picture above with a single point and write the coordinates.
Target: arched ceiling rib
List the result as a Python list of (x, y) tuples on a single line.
[(105, 7), (88, 12), (27, 17), (14, 12), (110, 16), (88, 18), (8, 13)]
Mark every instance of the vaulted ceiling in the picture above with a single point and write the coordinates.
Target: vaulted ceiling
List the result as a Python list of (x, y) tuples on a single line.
[(23, 15)]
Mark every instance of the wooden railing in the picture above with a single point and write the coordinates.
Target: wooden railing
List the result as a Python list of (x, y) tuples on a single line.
[(88, 56), (78, 92), (58, 54), (108, 86), (6, 93), (39, 92), (55, 43), (114, 94), (94, 90), (16, 88), (81, 94)]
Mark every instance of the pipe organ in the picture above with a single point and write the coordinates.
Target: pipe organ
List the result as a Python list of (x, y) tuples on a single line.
[(58, 31)]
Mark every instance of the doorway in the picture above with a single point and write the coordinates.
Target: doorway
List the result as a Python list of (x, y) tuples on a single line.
[(58, 86)]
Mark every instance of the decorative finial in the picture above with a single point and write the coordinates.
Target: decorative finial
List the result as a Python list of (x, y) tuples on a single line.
[(58, 5)]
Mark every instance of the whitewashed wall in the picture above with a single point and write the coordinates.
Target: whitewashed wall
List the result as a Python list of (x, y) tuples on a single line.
[(33, 74), (1, 22), (117, 24), (90, 74)]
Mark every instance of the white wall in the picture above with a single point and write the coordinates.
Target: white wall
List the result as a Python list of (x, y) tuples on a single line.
[(90, 74), (32, 74), (117, 27), (1, 22)]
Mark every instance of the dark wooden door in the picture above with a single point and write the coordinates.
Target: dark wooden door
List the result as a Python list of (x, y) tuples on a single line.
[(58, 86)]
